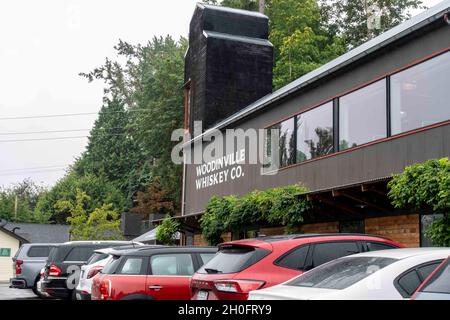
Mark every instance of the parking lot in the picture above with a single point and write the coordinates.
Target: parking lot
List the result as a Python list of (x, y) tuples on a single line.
[(7, 293)]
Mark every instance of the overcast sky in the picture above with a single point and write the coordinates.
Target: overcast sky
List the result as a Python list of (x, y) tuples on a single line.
[(43, 46)]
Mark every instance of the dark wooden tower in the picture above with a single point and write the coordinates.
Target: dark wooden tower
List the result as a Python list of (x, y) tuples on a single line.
[(228, 64)]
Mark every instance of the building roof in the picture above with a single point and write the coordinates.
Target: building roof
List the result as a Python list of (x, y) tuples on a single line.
[(40, 233), (148, 236), (232, 10), (227, 36), (402, 30), (14, 235)]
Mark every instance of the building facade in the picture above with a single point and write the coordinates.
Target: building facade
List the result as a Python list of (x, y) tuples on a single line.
[(342, 130)]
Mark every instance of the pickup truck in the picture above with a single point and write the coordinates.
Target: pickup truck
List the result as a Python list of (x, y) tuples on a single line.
[(27, 264)]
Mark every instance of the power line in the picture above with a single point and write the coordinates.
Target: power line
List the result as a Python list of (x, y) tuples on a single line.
[(53, 131), (44, 139), (39, 132), (30, 172), (71, 114), (34, 168)]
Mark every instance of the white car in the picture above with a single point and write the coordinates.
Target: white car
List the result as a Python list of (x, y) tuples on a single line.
[(94, 265), (42, 294), (377, 275)]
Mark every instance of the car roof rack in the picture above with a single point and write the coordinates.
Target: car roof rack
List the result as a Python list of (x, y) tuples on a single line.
[(313, 235)]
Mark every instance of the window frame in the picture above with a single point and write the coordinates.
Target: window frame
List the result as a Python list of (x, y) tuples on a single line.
[(389, 75), (335, 100), (194, 260)]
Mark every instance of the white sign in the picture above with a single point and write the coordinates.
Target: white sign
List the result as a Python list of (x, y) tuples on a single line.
[(220, 170)]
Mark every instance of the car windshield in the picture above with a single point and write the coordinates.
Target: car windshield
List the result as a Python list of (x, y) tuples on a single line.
[(440, 281), (341, 273), (233, 259)]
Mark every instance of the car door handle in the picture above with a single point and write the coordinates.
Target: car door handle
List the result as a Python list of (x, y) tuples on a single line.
[(155, 287)]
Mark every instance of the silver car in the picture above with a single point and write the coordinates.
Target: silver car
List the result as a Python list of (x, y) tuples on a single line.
[(27, 265)]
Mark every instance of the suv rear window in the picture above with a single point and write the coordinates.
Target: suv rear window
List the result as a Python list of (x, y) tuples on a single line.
[(39, 251), (233, 259), (79, 254), (342, 273)]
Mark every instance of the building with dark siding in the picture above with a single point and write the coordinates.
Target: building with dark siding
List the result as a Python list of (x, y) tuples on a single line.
[(344, 128)]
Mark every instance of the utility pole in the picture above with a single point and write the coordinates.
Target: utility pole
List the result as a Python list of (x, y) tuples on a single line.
[(262, 6), (15, 207)]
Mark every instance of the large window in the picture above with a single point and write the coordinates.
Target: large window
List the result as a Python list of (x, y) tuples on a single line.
[(315, 132), (362, 115), (286, 139), (420, 95)]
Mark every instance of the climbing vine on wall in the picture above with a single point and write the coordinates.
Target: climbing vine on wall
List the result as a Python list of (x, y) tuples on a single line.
[(426, 186), (276, 206)]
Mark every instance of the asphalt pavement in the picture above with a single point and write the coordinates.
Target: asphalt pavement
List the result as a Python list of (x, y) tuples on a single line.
[(6, 293)]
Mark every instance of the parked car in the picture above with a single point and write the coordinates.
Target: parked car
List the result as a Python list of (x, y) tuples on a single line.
[(94, 265), (245, 265), (27, 264), (378, 275), (63, 266), (437, 285), (41, 294), (153, 273)]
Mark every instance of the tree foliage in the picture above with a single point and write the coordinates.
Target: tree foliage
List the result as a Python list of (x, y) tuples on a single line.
[(98, 189), (425, 186), (165, 232), (127, 160), (148, 86), (27, 194), (100, 224), (349, 17), (309, 33), (276, 206)]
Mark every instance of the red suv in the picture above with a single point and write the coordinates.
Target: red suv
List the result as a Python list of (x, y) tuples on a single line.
[(245, 265), (161, 273)]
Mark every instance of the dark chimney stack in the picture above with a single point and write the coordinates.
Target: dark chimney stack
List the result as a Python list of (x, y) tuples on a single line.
[(228, 64)]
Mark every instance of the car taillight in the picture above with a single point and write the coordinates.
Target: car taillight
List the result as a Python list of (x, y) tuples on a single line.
[(54, 271), (238, 286), (105, 290), (94, 271), (18, 267)]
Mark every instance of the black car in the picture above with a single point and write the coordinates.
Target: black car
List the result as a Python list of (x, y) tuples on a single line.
[(63, 265)]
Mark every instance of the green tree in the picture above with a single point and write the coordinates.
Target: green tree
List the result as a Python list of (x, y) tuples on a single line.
[(165, 232), (25, 194), (309, 33), (112, 152), (348, 18), (102, 223), (97, 188), (149, 83)]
